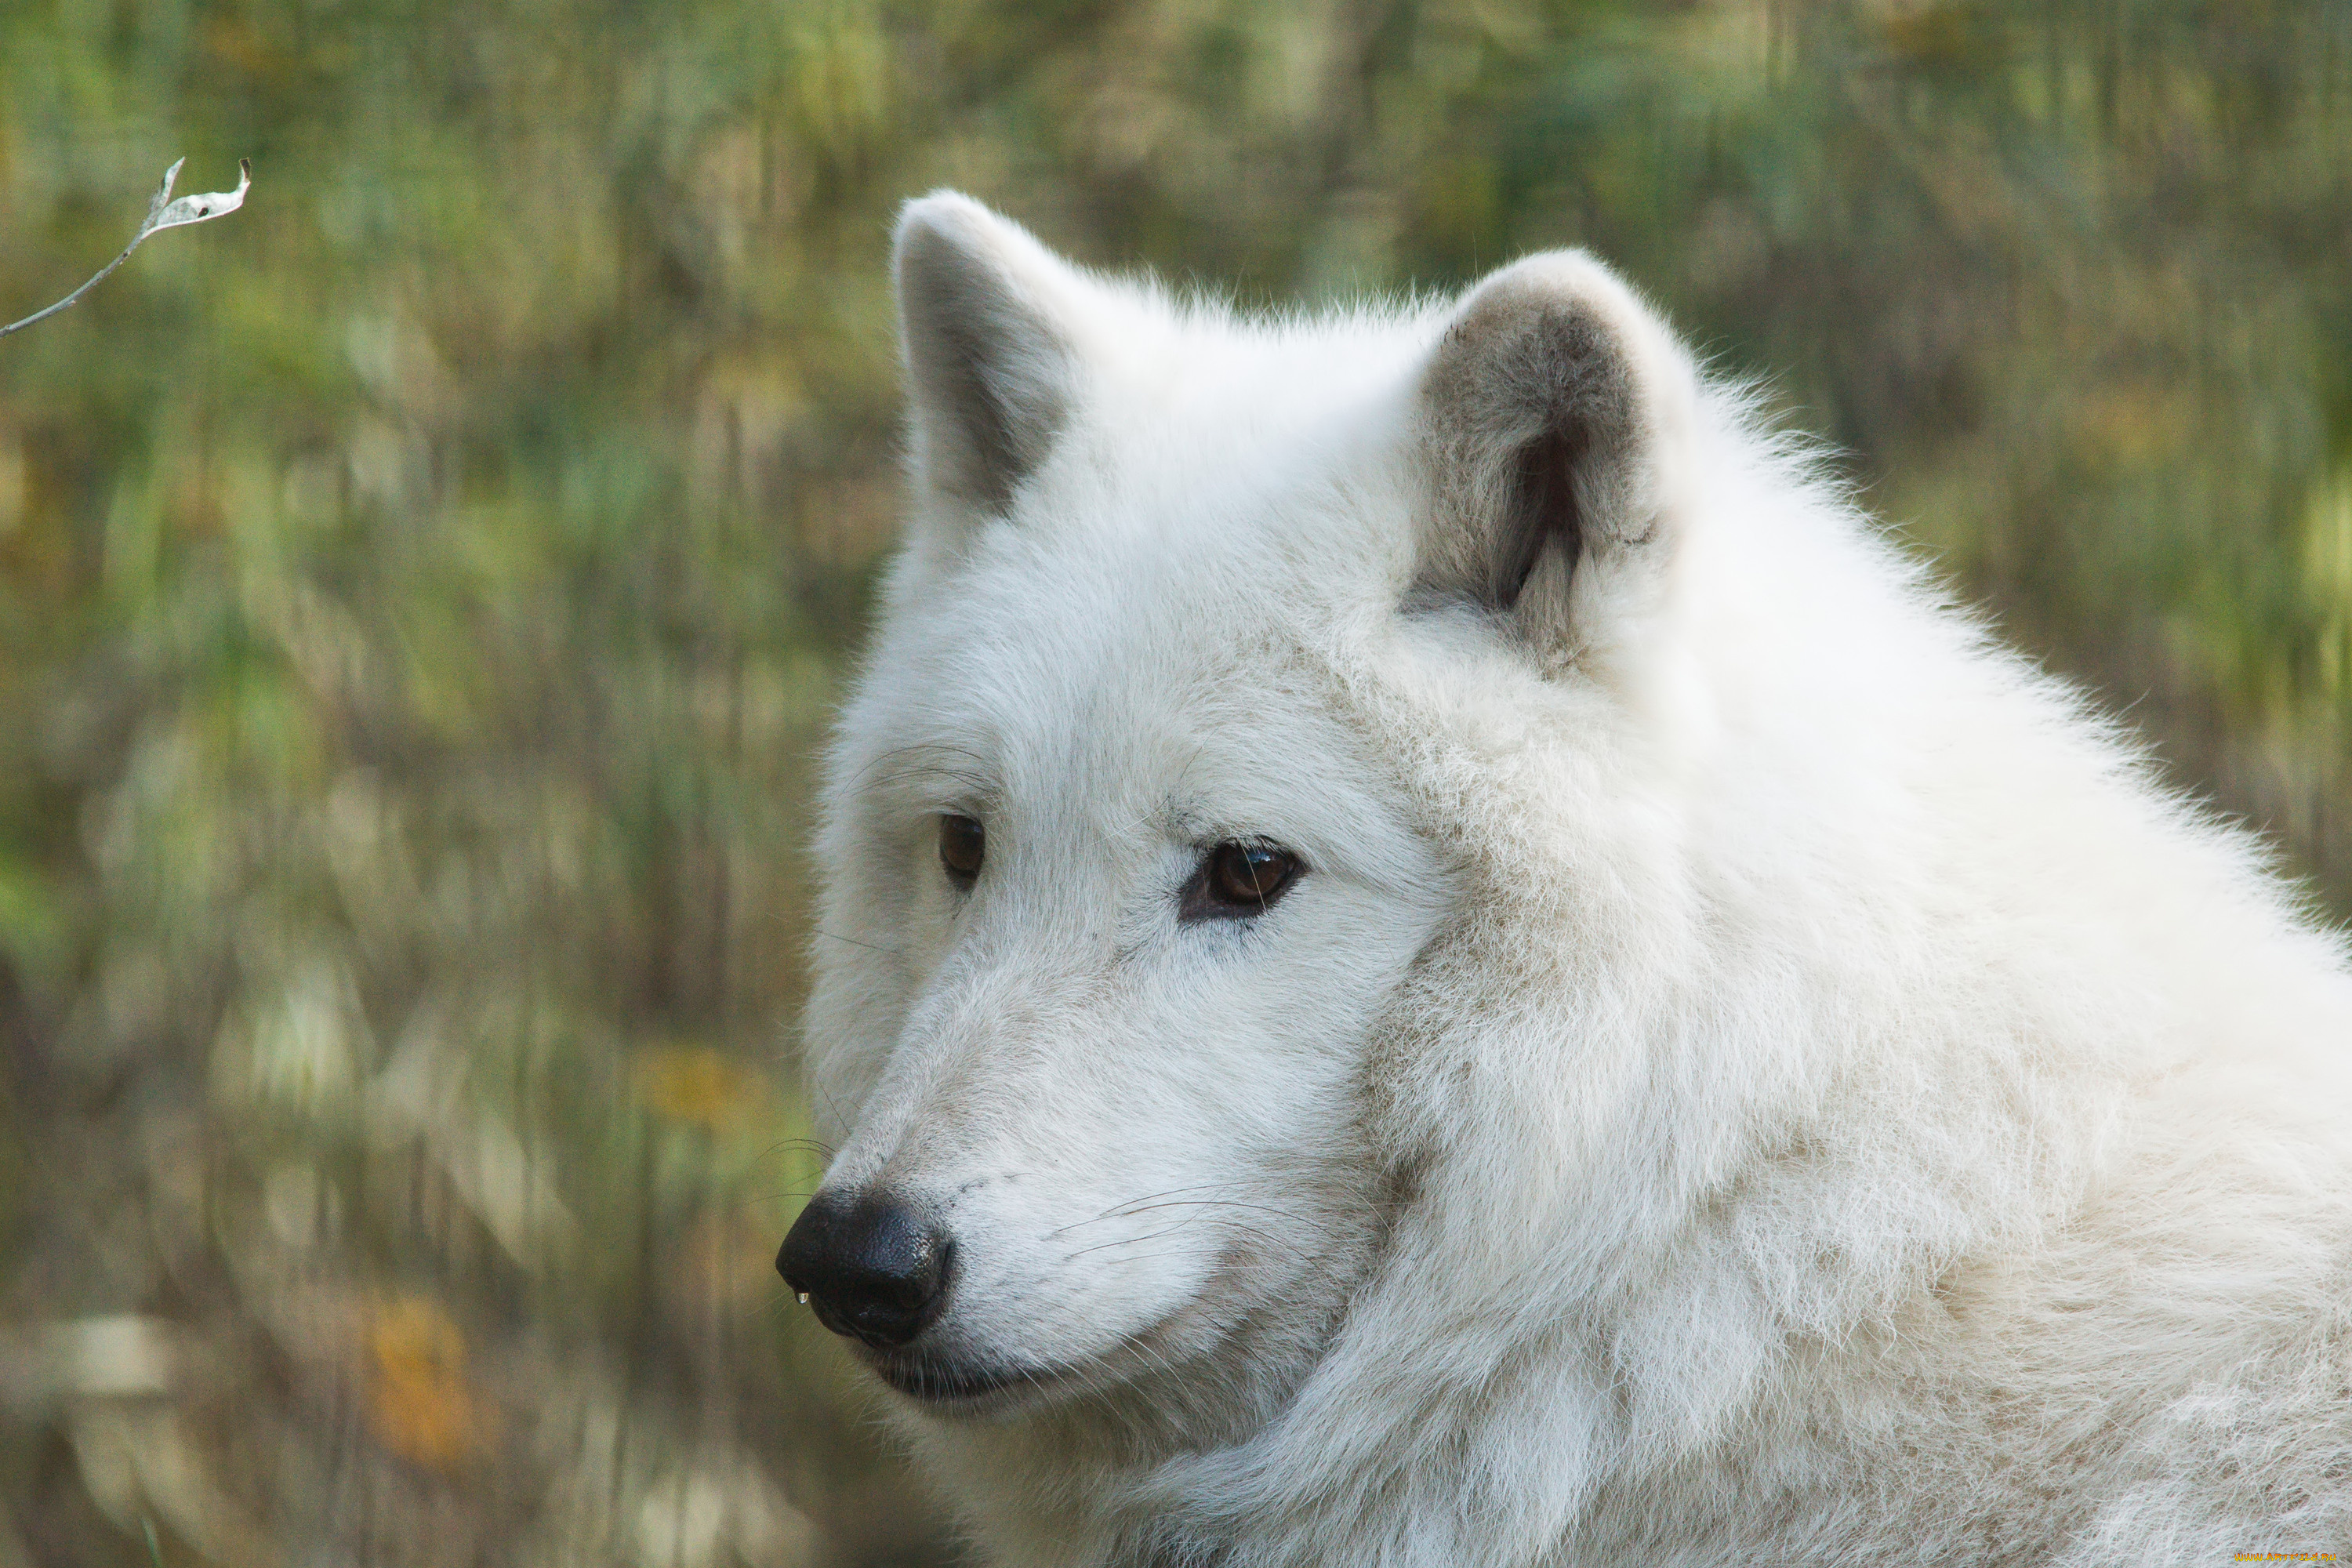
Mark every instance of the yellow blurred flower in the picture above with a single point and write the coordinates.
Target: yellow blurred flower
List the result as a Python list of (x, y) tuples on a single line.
[(700, 1085), (420, 1402)]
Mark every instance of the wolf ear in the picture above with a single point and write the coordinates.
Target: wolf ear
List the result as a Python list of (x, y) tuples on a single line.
[(990, 325), (1555, 410)]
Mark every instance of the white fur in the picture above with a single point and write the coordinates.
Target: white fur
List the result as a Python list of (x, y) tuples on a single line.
[(1753, 1074)]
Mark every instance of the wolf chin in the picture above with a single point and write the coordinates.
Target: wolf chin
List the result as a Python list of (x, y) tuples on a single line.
[(1434, 954)]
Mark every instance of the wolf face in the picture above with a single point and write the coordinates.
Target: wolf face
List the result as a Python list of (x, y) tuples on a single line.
[(1123, 886), (1108, 965)]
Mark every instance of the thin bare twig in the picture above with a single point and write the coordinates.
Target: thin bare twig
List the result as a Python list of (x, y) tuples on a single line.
[(161, 213)]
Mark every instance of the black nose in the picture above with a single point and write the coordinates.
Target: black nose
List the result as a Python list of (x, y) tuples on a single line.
[(869, 1265)]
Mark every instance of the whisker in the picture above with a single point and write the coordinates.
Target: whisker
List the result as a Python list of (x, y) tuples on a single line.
[(869, 946)]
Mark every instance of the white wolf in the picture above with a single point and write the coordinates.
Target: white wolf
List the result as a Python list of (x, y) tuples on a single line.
[(1433, 955)]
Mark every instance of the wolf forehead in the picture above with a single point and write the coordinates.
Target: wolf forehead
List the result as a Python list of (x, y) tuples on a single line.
[(1059, 689), (1232, 531)]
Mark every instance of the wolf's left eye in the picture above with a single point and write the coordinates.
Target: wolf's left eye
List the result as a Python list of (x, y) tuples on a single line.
[(963, 845), (1237, 880)]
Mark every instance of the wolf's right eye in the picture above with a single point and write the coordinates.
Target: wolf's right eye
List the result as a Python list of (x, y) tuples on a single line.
[(963, 845), (1237, 880)]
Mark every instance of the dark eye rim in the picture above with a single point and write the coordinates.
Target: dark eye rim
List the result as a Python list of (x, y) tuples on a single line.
[(963, 876), (1206, 897)]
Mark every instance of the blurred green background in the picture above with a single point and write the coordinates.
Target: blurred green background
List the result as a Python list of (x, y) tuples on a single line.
[(422, 592)]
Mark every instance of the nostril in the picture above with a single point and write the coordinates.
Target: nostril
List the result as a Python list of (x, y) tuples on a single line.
[(872, 1266)]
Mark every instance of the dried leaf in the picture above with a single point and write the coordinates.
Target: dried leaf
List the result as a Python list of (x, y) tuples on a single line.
[(161, 213), (196, 209)]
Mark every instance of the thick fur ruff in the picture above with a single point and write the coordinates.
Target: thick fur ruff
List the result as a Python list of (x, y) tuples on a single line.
[(1751, 1072)]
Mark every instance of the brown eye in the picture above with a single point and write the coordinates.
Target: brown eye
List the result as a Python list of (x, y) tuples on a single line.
[(1237, 880), (963, 845)]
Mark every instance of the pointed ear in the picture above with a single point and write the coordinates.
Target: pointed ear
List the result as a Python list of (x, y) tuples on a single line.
[(1557, 411), (989, 323)]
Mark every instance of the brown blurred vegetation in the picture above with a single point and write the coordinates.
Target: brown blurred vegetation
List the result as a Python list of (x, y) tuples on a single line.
[(421, 594)]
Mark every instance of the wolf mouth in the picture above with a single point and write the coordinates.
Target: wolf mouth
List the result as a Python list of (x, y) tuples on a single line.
[(951, 1387), (935, 1382)]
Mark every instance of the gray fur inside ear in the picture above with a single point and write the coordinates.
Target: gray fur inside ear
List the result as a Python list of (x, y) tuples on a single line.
[(990, 362), (1542, 408)]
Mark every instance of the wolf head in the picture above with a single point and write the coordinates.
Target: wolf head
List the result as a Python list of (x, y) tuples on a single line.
[(1159, 787)]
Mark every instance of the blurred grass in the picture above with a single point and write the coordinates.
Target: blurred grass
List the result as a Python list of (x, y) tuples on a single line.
[(421, 594)]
